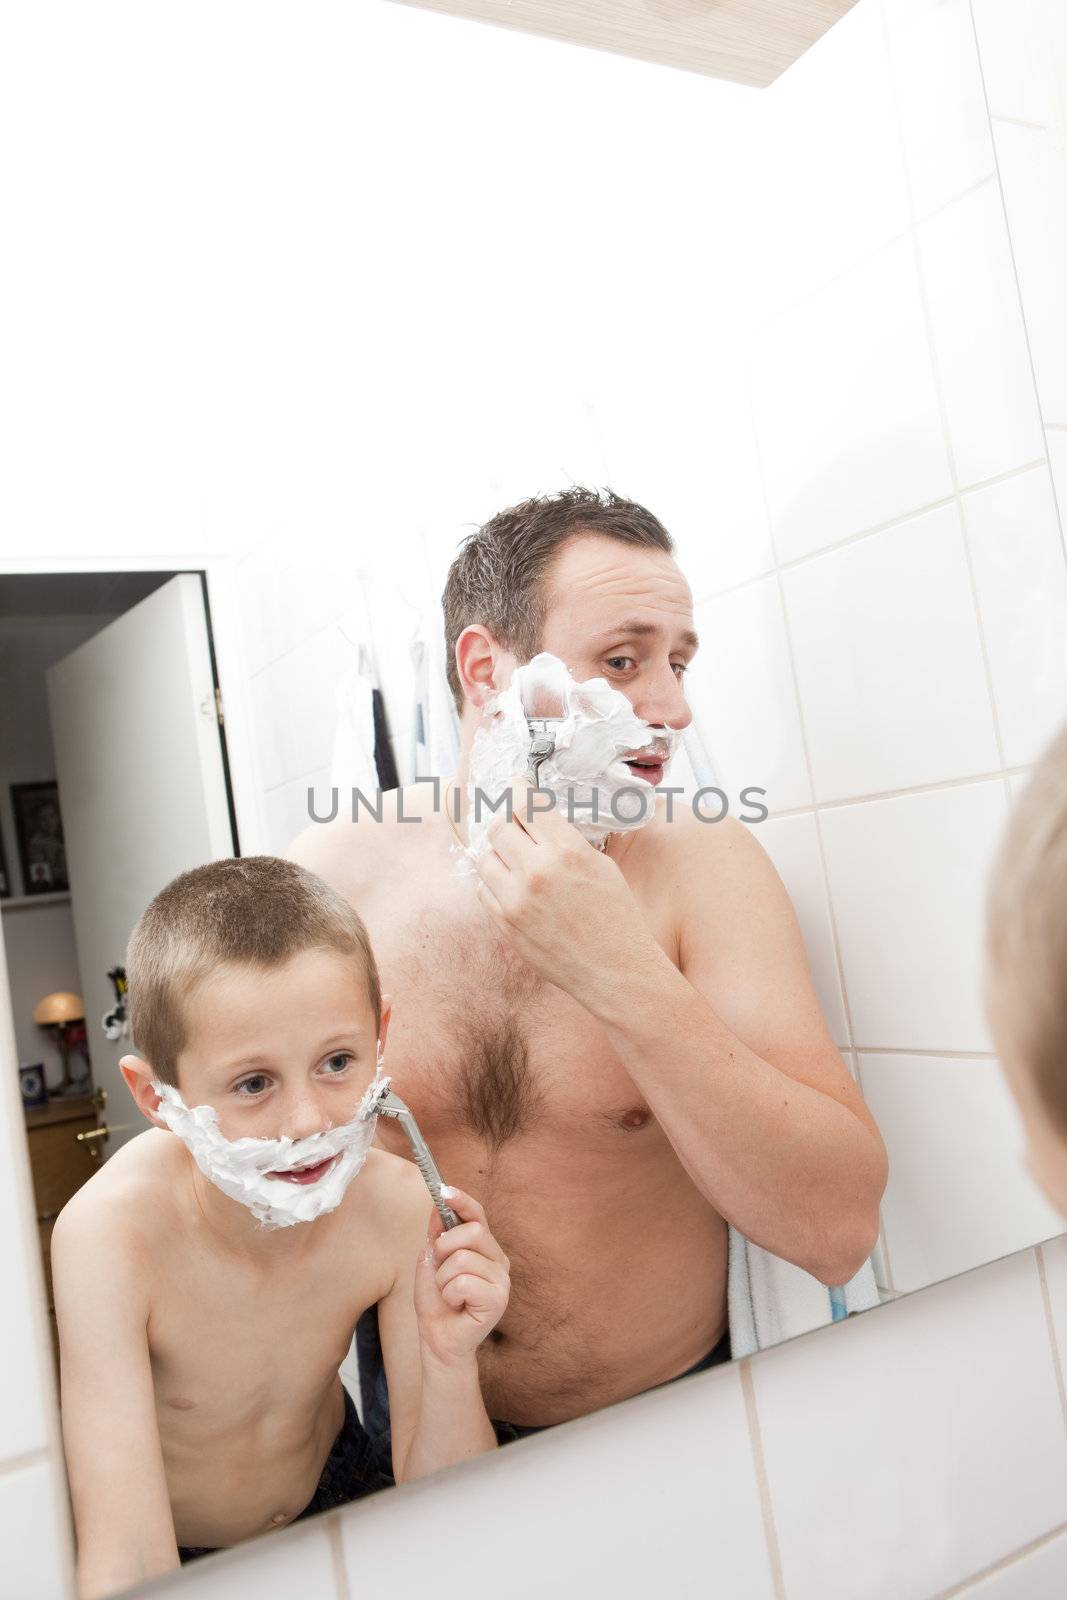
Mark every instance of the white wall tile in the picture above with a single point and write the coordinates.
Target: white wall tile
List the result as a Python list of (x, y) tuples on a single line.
[(943, 116), (888, 659), (979, 337), (1032, 168), (793, 846), (907, 881), (295, 709), (296, 1560), (33, 1550), (1014, 64), (599, 1523), (958, 1193), (1020, 575), (1039, 1575), (952, 1457), (741, 691), (829, 201), (1057, 456), (286, 807), (730, 541), (846, 409)]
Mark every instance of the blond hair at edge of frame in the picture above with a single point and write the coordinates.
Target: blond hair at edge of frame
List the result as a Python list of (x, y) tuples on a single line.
[(1026, 936)]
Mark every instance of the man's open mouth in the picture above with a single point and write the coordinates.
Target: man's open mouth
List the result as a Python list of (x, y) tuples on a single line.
[(649, 771), (302, 1175)]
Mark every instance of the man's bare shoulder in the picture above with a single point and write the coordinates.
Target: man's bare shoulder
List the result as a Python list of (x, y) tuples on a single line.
[(347, 849), (717, 872)]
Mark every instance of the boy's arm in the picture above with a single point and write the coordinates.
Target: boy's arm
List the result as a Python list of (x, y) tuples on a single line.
[(440, 1308), (118, 1488)]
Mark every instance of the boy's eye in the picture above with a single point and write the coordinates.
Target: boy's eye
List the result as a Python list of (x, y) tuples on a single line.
[(343, 1057), (253, 1085)]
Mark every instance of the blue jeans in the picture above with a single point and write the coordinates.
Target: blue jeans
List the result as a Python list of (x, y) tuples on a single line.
[(374, 1391)]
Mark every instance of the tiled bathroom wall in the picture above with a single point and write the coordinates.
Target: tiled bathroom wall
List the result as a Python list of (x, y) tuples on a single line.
[(899, 650), (858, 478)]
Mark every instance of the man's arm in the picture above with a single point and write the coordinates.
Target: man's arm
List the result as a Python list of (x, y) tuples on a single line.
[(122, 1515), (736, 1061), (431, 1323), (731, 1052)]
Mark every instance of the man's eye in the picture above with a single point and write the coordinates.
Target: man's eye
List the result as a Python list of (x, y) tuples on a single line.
[(682, 667), (253, 1085), (343, 1057)]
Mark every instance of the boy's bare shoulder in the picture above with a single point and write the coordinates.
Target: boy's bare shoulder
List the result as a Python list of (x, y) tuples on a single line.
[(130, 1198), (396, 1200)]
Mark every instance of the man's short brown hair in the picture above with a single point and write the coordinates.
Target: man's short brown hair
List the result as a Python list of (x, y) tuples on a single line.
[(497, 577), (255, 910), (1026, 933)]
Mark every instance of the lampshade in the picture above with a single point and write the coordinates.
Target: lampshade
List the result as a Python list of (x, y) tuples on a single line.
[(59, 1007)]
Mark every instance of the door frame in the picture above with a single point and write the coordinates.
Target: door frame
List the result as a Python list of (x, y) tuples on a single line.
[(220, 580)]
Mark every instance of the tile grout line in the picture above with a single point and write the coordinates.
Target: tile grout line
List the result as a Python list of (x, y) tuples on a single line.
[(1015, 276), (755, 1438), (1050, 1323), (1005, 1564), (337, 1551), (933, 1053), (939, 386), (897, 794), (30, 1458), (911, 515)]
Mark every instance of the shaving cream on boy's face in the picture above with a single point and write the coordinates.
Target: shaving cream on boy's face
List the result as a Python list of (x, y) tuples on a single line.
[(241, 1168), (600, 725)]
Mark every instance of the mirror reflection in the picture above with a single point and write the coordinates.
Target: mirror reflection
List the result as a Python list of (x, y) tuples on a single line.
[(509, 944)]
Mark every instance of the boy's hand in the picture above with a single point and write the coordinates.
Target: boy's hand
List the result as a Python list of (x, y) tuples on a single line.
[(461, 1282)]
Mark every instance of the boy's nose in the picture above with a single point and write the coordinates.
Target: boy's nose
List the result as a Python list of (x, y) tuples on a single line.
[(303, 1117)]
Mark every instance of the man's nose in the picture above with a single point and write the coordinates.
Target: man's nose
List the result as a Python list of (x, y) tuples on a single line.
[(663, 703)]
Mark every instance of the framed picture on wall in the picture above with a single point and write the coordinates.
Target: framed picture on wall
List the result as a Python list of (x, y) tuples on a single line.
[(39, 829)]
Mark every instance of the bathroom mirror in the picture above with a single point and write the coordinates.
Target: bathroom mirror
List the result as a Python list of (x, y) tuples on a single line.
[(809, 329)]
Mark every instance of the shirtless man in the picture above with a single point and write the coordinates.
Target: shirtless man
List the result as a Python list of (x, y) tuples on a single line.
[(620, 1052)]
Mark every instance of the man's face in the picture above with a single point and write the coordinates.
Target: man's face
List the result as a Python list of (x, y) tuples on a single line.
[(288, 1049), (623, 613)]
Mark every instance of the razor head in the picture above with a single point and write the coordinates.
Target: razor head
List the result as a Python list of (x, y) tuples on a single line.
[(379, 1103)]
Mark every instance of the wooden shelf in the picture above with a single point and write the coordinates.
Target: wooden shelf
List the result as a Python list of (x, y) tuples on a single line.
[(746, 41), (19, 902)]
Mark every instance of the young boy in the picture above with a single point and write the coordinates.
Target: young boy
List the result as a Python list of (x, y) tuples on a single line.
[(201, 1325), (1026, 965)]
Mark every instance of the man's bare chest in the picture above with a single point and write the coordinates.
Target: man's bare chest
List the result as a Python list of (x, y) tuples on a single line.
[(478, 1042)]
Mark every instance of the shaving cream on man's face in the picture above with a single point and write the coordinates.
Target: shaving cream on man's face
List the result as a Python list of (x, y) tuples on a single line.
[(600, 726), (241, 1167)]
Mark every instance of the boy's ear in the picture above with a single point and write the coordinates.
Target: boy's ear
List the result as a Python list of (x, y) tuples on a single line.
[(387, 1011), (139, 1079)]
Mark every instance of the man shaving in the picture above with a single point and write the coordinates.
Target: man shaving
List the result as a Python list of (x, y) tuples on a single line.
[(620, 1049)]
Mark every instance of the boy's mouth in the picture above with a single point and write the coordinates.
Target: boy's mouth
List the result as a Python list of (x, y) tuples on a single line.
[(651, 772), (302, 1175)]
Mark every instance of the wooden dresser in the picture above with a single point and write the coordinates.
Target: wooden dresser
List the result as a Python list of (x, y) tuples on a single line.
[(60, 1165)]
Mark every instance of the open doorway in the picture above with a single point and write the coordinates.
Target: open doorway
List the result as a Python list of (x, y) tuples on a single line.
[(114, 777)]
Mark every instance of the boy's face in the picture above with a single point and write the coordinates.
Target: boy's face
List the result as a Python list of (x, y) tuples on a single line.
[(281, 1050)]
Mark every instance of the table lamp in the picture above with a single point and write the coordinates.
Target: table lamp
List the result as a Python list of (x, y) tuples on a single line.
[(57, 1012)]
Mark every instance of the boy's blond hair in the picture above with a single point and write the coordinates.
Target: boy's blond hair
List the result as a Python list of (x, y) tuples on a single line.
[(256, 910), (1026, 933)]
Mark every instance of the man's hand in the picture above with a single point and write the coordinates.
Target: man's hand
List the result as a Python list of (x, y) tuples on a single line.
[(461, 1283), (562, 904)]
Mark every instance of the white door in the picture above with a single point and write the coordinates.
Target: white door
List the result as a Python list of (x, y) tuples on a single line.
[(142, 791)]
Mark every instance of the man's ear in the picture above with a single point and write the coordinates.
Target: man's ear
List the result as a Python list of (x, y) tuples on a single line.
[(139, 1078), (484, 667)]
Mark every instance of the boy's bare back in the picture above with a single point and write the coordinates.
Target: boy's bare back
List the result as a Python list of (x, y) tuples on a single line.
[(208, 1376)]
